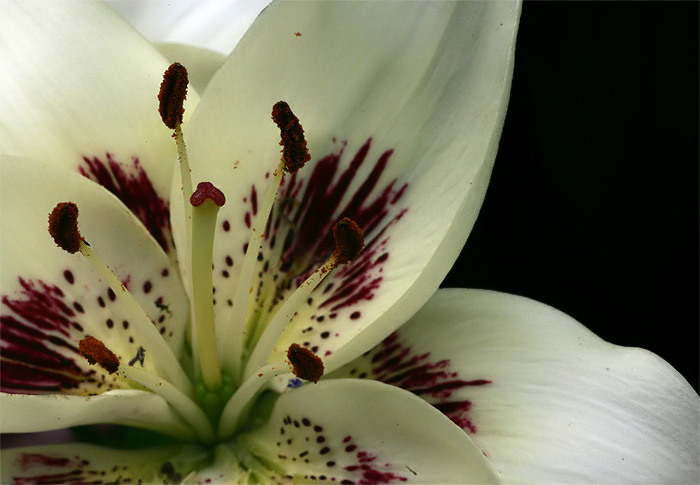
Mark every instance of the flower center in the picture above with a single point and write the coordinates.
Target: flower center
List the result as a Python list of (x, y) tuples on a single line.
[(225, 386)]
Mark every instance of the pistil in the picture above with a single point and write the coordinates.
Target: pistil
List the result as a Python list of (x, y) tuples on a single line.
[(63, 227), (206, 201), (349, 241), (294, 155)]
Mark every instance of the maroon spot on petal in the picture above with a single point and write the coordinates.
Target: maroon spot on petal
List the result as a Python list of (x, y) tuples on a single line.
[(130, 183), (355, 315), (147, 287), (226, 226), (68, 275)]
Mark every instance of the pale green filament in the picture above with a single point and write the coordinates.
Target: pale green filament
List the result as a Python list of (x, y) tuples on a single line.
[(185, 177), (274, 329), (243, 298), (144, 326), (181, 403), (203, 226), (239, 404)]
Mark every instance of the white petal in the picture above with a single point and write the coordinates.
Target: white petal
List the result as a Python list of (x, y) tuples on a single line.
[(201, 63), (52, 299), (421, 85), (211, 24), (559, 404), (80, 89), (23, 413), (81, 463), (365, 432)]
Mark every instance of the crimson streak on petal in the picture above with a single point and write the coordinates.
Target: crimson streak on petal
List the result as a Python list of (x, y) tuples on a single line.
[(131, 185), (39, 352), (397, 364)]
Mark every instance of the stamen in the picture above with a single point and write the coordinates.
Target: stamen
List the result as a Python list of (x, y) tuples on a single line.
[(305, 364), (144, 326), (171, 97), (97, 352), (63, 226), (295, 155), (242, 401), (206, 201), (347, 244)]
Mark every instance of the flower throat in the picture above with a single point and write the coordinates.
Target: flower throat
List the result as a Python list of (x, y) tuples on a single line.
[(225, 386)]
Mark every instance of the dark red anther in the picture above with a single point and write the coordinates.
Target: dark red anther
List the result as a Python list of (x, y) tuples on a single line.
[(172, 94), (207, 191), (63, 226), (97, 353), (306, 365), (295, 152), (349, 240)]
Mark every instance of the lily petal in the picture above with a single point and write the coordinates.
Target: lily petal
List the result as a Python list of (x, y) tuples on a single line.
[(52, 299), (201, 63), (29, 413), (81, 463), (352, 431), (543, 397), (412, 107), (80, 90), (210, 24)]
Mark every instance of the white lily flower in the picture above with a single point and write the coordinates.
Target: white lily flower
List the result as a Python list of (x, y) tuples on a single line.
[(402, 105)]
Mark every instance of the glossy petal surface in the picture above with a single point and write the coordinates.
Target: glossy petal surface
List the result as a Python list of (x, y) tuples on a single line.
[(548, 401), (351, 431), (79, 463), (28, 413), (402, 105), (51, 299), (79, 90)]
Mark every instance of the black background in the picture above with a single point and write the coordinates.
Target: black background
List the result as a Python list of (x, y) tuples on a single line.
[(593, 203)]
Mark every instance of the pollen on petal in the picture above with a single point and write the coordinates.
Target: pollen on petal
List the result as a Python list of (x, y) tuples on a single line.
[(207, 191), (63, 226), (305, 364), (97, 353), (349, 240), (295, 152), (172, 94)]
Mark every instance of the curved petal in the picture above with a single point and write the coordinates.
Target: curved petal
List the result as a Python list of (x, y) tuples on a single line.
[(544, 398), (364, 432), (81, 463), (50, 299), (400, 102), (201, 63), (210, 24), (80, 89), (26, 413)]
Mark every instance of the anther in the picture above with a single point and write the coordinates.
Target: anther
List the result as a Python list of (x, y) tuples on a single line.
[(349, 240), (305, 364), (294, 153), (97, 353), (172, 94), (63, 226), (206, 191)]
